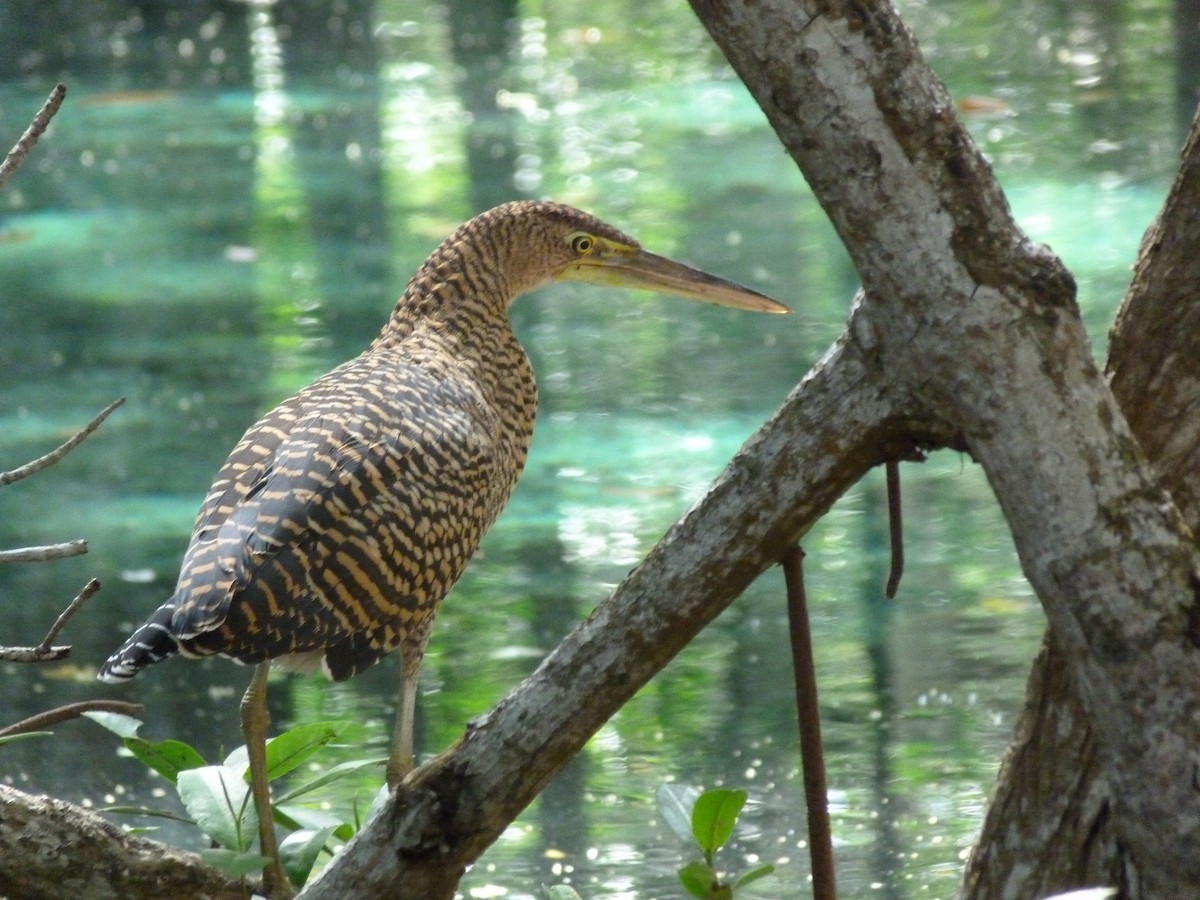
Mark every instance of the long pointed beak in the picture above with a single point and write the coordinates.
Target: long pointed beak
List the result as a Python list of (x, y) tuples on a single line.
[(633, 267)]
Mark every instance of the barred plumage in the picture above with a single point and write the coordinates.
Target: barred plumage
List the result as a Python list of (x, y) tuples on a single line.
[(342, 518)]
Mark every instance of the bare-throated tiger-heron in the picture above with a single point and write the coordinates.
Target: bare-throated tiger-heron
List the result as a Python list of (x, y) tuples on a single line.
[(344, 515)]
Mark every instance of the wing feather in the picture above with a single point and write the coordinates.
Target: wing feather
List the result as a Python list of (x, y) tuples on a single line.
[(325, 519)]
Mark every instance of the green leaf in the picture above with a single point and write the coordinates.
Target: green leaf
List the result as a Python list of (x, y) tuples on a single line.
[(145, 811), (217, 798), (168, 758), (23, 736), (291, 749), (299, 850), (296, 747), (233, 863), (698, 879), (714, 816), (753, 875), (121, 725), (561, 892), (675, 802), (339, 771)]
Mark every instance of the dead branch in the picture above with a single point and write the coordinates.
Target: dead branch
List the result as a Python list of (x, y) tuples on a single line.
[(32, 468), (43, 652), (60, 714), (44, 554), (40, 122), (73, 607)]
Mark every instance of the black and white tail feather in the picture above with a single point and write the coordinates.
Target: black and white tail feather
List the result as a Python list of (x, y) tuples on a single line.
[(151, 643)]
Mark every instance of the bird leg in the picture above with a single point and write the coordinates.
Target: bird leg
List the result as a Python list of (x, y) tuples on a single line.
[(400, 759), (255, 720)]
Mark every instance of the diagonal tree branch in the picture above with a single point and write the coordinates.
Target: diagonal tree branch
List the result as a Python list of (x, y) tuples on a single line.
[(36, 128), (448, 811), (49, 459)]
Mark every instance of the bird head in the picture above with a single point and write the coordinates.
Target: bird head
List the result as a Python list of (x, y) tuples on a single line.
[(572, 245)]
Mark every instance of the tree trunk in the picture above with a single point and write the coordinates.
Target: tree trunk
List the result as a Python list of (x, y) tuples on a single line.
[(1052, 790), (981, 328)]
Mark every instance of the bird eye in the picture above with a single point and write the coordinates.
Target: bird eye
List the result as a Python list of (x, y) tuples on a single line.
[(582, 243)]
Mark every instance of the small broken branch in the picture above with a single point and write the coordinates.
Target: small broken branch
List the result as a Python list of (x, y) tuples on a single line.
[(73, 607), (51, 717), (44, 554), (32, 468), (43, 652), (36, 128)]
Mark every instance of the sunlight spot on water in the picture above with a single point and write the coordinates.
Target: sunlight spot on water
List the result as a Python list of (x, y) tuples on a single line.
[(488, 890)]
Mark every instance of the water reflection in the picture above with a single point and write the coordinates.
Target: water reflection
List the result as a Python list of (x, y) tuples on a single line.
[(228, 204)]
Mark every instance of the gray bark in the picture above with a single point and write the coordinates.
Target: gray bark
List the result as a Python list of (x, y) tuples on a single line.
[(1052, 791), (50, 850)]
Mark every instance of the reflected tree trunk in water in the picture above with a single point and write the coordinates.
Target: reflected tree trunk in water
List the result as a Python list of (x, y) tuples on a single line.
[(878, 614), (561, 812), (482, 43)]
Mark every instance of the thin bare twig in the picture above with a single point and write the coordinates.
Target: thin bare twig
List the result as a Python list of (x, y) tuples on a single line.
[(812, 756), (43, 652), (81, 598), (51, 717), (44, 554), (895, 527), (17, 154), (34, 654), (58, 453)]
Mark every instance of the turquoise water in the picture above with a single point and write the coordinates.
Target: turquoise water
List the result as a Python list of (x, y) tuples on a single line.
[(226, 207)]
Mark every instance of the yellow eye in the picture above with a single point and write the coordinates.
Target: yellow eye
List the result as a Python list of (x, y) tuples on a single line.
[(582, 243)]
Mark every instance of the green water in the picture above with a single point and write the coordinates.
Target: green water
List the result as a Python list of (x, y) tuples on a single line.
[(226, 207)]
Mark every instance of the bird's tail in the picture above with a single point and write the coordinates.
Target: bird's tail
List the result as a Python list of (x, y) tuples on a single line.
[(151, 643)]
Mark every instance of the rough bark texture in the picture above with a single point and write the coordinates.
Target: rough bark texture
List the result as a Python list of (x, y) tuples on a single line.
[(1051, 790), (50, 850)]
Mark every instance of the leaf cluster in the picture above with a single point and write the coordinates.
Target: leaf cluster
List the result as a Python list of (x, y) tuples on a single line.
[(218, 800), (706, 820)]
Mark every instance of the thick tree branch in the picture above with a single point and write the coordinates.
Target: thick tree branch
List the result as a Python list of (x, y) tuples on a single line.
[(50, 849), (1154, 352), (1051, 790)]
